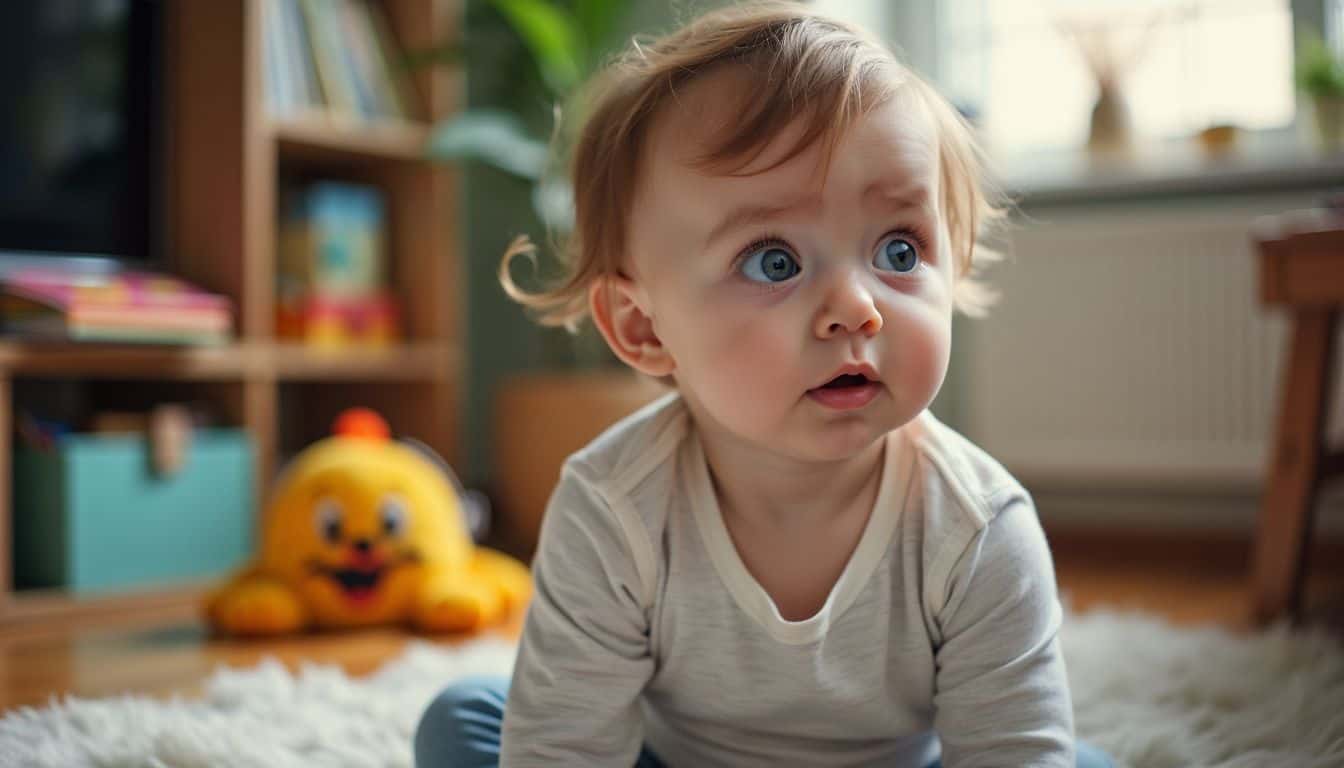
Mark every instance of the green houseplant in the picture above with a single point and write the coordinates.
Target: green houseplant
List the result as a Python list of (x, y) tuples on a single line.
[(564, 42), (525, 61), (1320, 75)]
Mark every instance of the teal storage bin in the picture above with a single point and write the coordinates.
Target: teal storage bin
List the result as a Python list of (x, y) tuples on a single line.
[(92, 516)]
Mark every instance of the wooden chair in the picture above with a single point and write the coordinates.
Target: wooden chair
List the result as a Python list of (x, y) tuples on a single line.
[(1301, 268)]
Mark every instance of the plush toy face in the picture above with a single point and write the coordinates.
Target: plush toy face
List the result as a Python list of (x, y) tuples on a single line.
[(353, 524)]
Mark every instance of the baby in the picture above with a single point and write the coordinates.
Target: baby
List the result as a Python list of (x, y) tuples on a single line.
[(788, 560)]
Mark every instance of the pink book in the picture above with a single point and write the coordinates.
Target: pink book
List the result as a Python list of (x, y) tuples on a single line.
[(129, 291)]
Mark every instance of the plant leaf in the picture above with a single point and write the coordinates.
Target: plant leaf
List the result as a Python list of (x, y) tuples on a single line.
[(553, 200), (596, 19), (551, 34), (1319, 70), (492, 136)]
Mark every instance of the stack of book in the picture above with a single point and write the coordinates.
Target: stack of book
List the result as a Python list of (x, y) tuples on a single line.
[(334, 58), (126, 306)]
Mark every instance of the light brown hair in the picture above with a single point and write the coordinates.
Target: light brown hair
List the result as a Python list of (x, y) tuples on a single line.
[(813, 68)]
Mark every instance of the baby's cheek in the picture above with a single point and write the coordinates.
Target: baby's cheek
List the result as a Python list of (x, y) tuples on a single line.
[(756, 358), (919, 348), (755, 352)]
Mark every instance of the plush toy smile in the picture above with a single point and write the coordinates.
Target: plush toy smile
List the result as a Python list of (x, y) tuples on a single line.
[(359, 577), (358, 583)]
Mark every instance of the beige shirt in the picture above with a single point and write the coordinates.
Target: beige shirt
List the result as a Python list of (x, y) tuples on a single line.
[(646, 628)]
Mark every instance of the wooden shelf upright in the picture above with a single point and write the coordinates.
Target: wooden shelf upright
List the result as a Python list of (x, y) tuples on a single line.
[(226, 158)]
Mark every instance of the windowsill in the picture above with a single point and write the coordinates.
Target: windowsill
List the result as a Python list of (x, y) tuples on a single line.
[(1269, 162)]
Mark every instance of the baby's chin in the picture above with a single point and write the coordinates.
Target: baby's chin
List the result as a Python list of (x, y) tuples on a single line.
[(828, 436), (838, 442), (809, 440), (805, 431)]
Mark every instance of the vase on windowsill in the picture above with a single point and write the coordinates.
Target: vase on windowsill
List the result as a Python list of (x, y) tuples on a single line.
[(1319, 71), (1328, 120), (1110, 132), (1112, 42)]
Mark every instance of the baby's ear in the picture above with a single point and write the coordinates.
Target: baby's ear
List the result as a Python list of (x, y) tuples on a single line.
[(618, 308)]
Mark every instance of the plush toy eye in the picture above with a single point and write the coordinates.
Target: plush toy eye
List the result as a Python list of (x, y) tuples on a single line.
[(392, 510), (328, 519)]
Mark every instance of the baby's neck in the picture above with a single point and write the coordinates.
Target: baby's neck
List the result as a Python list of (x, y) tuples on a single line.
[(765, 488)]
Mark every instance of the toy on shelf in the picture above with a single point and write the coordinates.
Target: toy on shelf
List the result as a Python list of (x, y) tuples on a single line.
[(331, 284), (364, 530), (333, 322)]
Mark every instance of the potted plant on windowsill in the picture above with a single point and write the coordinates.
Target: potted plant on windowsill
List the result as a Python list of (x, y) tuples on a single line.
[(1320, 76)]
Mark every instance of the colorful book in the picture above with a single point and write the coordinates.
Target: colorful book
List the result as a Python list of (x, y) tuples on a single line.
[(336, 57), (379, 46), (337, 80), (132, 306)]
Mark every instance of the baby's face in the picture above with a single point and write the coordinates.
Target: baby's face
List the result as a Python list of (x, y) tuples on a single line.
[(765, 288)]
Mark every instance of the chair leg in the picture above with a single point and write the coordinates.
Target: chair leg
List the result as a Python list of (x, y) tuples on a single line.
[(1286, 509)]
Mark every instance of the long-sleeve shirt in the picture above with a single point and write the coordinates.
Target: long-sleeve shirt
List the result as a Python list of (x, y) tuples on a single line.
[(646, 627)]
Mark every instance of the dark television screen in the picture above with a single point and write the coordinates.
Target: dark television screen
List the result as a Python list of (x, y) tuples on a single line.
[(79, 127)]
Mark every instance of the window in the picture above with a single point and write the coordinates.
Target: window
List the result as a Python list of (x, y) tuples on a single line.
[(1193, 63)]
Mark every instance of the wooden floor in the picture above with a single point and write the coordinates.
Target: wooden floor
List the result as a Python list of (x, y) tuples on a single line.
[(1187, 581)]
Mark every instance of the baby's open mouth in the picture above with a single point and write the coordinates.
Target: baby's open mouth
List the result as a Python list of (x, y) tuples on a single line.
[(845, 392), (847, 380)]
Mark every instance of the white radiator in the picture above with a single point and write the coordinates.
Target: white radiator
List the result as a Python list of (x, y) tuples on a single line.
[(1130, 351)]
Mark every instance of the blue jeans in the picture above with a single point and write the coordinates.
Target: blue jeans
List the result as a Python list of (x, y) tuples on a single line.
[(461, 729)]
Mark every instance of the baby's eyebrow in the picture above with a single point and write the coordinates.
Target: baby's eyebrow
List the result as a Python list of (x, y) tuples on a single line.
[(908, 195), (911, 195), (751, 214)]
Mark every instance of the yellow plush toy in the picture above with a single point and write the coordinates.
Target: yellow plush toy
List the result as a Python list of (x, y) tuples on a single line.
[(365, 530)]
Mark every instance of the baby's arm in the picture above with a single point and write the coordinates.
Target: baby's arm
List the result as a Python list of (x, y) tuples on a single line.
[(1002, 696), (584, 658)]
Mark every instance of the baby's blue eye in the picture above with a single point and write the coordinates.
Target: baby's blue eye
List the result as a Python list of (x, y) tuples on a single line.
[(770, 264), (895, 254)]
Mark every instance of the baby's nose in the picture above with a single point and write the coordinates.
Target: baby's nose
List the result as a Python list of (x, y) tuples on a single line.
[(849, 308)]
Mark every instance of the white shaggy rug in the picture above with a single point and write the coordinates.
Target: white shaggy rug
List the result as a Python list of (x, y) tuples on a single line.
[(1151, 695)]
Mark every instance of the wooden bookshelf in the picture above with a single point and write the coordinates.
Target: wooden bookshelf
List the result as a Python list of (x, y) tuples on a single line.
[(226, 159)]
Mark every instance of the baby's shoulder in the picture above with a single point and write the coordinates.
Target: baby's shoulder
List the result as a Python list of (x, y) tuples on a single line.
[(617, 490), (632, 467), (958, 478), (625, 453), (965, 501)]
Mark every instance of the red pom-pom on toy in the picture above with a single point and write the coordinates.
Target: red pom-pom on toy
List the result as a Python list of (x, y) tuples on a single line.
[(362, 424)]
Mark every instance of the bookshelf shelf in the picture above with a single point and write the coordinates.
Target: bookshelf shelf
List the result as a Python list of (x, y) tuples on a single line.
[(321, 136), (124, 362), (406, 362), (411, 361)]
